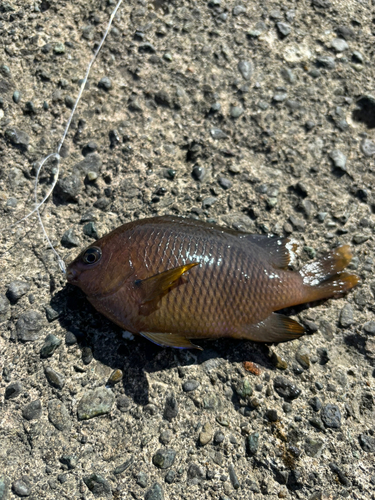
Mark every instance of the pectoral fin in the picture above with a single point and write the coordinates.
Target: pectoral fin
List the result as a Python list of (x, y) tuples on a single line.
[(154, 288), (275, 328), (170, 340)]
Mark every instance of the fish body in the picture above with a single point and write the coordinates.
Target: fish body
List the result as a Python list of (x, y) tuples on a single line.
[(173, 279)]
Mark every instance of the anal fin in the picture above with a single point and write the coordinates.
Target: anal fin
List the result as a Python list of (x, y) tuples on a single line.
[(275, 328), (170, 340)]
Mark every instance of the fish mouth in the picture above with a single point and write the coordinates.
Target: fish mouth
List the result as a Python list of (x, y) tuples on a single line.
[(72, 276)]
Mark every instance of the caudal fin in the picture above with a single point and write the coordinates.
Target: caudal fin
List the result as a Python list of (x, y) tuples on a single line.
[(324, 278)]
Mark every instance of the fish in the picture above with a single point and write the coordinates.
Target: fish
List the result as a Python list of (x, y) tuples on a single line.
[(174, 280)]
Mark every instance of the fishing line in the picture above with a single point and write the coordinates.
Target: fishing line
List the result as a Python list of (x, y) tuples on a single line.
[(57, 156)]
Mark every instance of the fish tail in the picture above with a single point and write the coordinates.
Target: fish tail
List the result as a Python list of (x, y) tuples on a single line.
[(324, 278)]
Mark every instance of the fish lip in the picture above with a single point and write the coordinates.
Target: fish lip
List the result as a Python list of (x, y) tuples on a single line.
[(72, 276)]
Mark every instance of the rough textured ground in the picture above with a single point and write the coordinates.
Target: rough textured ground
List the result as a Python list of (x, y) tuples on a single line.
[(259, 116)]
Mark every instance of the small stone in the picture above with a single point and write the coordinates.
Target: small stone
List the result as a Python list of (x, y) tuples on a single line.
[(271, 415), (236, 111), (206, 435), (164, 458), (95, 403), (285, 388), (115, 377), (142, 479), (368, 147), (155, 493), (91, 163), (331, 416), (327, 62), (123, 467), (233, 477), (346, 316), (124, 403), (58, 415), (51, 313), (171, 408), (4, 487), (315, 403), (105, 83), (302, 356), (340, 474), (244, 389), (146, 48), (246, 69), (283, 28), (87, 355), (54, 378), (70, 461), (209, 201), (50, 345), (28, 326), (21, 487), (339, 45), (13, 390), (313, 446), (298, 224), (252, 443), (90, 230), (199, 173), (70, 338), (360, 238), (238, 10), (357, 57), (217, 133), (224, 182), (367, 443), (33, 410), (16, 96), (219, 437), (170, 476), (59, 48), (16, 290), (17, 138), (69, 187), (69, 239), (190, 385), (369, 327), (98, 486)]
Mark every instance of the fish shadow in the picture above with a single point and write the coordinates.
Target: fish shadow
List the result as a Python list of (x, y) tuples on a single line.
[(92, 333)]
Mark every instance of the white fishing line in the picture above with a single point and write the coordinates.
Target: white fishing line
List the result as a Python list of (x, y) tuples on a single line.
[(57, 154)]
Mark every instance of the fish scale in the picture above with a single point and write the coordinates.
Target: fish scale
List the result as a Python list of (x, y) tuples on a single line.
[(172, 279)]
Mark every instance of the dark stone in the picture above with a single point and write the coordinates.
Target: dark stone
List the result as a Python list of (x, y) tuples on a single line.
[(33, 410), (233, 477), (315, 403), (70, 338), (51, 313), (164, 458), (190, 385), (69, 187), (225, 183), (155, 493), (58, 415), (124, 403), (142, 479), (91, 163), (4, 487), (170, 476), (340, 474), (28, 326), (367, 443), (313, 446), (69, 239), (171, 408), (50, 345), (98, 486), (95, 403), (285, 388), (331, 416), (246, 69), (18, 138), (69, 460), (199, 173), (195, 472), (252, 443), (146, 48), (369, 327), (346, 316), (87, 355), (272, 415), (16, 290), (105, 83), (90, 230), (22, 487), (13, 390), (54, 378), (217, 133), (218, 437), (123, 467)]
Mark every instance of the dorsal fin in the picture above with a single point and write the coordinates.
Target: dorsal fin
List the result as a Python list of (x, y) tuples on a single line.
[(281, 251)]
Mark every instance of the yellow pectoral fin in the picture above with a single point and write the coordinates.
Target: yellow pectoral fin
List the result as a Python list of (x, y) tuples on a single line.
[(170, 340), (154, 288)]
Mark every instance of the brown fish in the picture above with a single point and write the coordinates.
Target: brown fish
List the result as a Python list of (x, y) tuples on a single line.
[(172, 279)]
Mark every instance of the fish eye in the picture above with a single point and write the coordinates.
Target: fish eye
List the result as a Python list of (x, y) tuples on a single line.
[(92, 255)]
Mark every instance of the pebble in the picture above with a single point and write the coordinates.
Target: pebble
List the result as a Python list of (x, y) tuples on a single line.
[(357, 57), (69, 187), (313, 446), (346, 316), (146, 48), (252, 443), (115, 377), (142, 479), (302, 356), (199, 173), (21, 487), (54, 378), (271, 415), (195, 472), (16, 96), (369, 327), (87, 355), (339, 44), (170, 476), (243, 388), (236, 111), (225, 183), (59, 48), (98, 486), (233, 477), (190, 385), (95, 403), (284, 29), (69, 239), (315, 403), (339, 159), (238, 10), (217, 133), (70, 338), (18, 138), (285, 388), (50, 345), (331, 416), (170, 408), (33, 410), (368, 147), (367, 443), (206, 435), (327, 62), (124, 403), (16, 290), (28, 326), (123, 467), (58, 415), (246, 69), (51, 313), (155, 493), (219, 437), (105, 83), (13, 390), (340, 474), (4, 487), (164, 458), (70, 461), (90, 230)]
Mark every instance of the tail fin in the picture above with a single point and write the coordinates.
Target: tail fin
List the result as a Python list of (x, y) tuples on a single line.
[(324, 278)]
